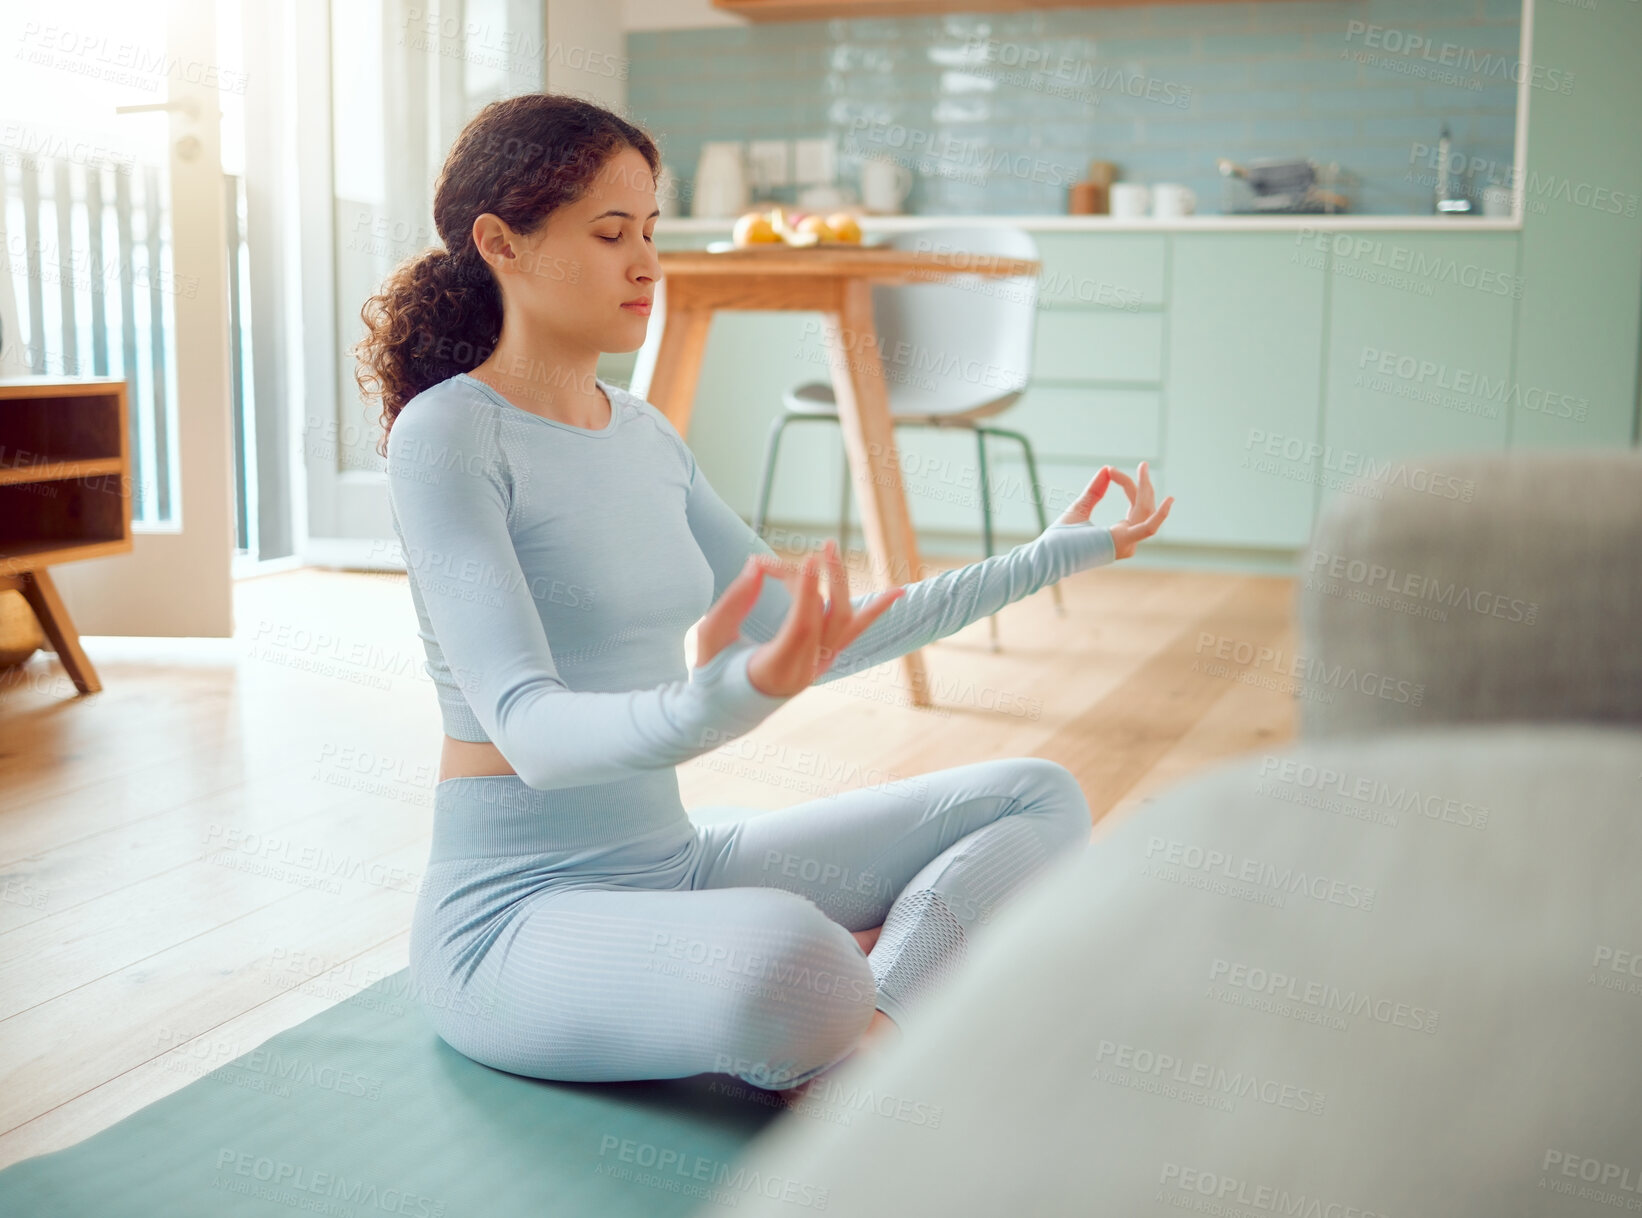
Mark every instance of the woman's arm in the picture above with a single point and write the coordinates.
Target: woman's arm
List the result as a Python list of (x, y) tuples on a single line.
[(449, 496), (927, 610)]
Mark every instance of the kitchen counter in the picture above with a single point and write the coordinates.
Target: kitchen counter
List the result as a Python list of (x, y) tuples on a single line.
[(1106, 224)]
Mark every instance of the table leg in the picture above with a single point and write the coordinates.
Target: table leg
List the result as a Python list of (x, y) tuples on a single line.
[(869, 440), (668, 369)]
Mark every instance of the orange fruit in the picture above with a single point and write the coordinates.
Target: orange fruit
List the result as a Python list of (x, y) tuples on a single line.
[(844, 226), (754, 228)]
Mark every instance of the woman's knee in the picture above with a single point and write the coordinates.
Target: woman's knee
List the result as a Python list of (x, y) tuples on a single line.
[(1055, 795), (805, 1002)]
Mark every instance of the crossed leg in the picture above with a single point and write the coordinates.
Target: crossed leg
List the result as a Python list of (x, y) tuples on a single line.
[(910, 868), (762, 967)]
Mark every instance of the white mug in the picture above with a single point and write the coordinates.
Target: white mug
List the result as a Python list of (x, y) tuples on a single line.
[(1170, 199), (1496, 201), (1128, 200)]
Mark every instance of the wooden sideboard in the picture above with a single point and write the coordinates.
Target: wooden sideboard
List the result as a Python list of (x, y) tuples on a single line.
[(65, 493)]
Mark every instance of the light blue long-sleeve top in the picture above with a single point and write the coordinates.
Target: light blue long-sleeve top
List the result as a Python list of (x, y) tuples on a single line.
[(556, 569)]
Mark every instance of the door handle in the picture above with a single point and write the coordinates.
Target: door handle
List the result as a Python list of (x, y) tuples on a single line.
[(186, 105)]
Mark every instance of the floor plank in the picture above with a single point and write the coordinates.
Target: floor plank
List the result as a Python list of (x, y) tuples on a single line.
[(199, 856)]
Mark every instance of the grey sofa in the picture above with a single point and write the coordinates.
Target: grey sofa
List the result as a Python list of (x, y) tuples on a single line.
[(1393, 968)]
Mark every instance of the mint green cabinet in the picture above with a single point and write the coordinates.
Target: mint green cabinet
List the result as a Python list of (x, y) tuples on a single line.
[(1100, 270), (1098, 345), (1419, 353), (1244, 362)]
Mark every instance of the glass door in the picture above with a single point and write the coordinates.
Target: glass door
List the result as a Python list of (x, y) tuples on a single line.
[(113, 217), (403, 78)]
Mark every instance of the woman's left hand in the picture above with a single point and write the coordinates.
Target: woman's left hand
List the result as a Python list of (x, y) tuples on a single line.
[(1143, 518)]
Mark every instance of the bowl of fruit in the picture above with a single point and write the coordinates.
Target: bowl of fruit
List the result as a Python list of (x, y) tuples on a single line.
[(778, 228)]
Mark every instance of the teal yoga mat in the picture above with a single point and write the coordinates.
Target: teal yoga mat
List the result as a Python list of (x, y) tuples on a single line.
[(363, 1111)]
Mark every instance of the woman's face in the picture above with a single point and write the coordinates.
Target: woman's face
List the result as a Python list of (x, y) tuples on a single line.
[(574, 276)]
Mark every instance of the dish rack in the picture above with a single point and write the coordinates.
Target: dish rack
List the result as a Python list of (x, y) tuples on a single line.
[(1279, 186)]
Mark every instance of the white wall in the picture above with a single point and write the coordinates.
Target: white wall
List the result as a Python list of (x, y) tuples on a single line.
[(587, 52)]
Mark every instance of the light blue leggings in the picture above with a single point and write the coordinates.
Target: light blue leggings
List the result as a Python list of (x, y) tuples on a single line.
[(598, 934)]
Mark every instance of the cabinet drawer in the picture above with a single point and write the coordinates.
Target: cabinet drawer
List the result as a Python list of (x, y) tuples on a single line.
[(1091, 345), (1069, 421), (1114, 271)]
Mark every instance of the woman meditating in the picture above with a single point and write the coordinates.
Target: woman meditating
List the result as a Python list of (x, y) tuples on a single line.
[(560, 541)]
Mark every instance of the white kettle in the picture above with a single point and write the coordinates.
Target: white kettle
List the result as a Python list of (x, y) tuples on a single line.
[(721, 188)]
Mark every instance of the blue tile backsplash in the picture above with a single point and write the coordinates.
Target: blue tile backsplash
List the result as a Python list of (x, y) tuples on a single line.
[(997, 112)]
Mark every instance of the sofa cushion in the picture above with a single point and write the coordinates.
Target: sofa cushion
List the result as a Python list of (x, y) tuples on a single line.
[(1396, 976), (1480, 588)]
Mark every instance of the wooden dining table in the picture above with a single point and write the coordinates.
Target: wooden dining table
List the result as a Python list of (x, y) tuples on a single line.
[(836, 281)]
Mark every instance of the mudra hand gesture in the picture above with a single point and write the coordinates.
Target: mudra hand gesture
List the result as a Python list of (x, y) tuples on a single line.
[(1143, 518), (811, 636)]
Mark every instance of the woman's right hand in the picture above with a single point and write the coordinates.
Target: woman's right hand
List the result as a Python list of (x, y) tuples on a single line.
[(811, 636)]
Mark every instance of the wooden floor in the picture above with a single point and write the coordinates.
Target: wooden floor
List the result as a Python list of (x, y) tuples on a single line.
[(229, 837)]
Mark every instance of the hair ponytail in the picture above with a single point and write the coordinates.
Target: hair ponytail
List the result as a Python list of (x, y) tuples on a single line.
[(440, 313)]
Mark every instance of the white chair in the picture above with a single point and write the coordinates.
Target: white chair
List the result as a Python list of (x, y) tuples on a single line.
[(957, 351)]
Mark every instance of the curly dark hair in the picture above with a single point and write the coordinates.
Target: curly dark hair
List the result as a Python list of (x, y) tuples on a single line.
[(440, 312)]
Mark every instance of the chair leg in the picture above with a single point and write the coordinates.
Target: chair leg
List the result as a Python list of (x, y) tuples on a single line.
[(844, 503), (986, 518), (766, 477), (1037, 498)]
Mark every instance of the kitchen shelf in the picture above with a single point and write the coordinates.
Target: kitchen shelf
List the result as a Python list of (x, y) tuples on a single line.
[(65, 477)]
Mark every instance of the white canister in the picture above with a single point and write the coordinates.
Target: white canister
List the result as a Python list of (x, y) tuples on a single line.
[(1496, 201), (1128, 200), (720, 189), (1171, 200), (885, 184)]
